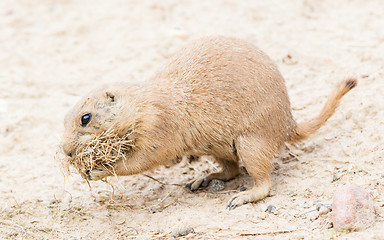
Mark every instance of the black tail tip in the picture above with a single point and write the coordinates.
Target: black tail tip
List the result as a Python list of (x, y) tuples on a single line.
[(351, 83)]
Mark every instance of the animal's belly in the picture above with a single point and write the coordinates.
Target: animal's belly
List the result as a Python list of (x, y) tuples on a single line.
[(219, 150)]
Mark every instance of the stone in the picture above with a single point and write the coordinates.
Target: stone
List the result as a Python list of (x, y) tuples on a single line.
[(181, 231), (216, 185), (270, 208), (352, 208), (243, 188), (324, 210)]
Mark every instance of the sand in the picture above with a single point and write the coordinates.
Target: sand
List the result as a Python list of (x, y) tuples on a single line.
[(54, 52)]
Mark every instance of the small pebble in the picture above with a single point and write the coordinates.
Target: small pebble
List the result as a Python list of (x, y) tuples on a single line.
[(270, 208), (276, 166), (216, 185), (243, 188), (155, 210), (323, 209), (352, 208), (181, 231), (289, 60), (319, 205), (335, 177)]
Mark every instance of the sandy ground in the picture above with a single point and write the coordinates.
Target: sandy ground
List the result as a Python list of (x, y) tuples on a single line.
[(53, 52)]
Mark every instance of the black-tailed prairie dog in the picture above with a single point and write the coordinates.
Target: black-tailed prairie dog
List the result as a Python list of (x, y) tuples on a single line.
[(218, 96)]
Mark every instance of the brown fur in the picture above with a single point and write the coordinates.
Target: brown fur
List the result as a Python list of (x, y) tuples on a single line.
[(219, 96)]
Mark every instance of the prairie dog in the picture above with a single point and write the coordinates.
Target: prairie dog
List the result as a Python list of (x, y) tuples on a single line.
[(218, 96)]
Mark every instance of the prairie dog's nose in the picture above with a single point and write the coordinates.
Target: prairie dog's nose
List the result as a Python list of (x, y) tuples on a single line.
[(67, 149)]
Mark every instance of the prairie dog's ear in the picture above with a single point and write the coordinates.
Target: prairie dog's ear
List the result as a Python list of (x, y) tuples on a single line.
[(110, 96)]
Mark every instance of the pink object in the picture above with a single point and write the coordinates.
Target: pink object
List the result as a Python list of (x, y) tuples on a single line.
[(352, 208)]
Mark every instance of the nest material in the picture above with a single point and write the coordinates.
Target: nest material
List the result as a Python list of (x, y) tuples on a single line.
[(102, 151)]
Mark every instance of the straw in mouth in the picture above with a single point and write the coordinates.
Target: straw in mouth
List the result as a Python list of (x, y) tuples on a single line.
[(102, 151)]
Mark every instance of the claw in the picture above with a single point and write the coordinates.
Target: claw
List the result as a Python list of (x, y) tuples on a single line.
[(205, 182), (191, 187), (237, 201), (195, 184), (231, 205), (188, 185)]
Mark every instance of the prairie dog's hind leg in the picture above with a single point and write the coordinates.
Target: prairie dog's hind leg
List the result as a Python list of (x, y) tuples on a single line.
[(229, 170), (256, 155)]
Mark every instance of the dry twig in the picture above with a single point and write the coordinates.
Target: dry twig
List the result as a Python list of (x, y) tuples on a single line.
[(269, 233), (162, 183)]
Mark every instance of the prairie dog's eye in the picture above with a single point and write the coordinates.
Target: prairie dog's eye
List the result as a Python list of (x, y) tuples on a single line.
[(85, 119)]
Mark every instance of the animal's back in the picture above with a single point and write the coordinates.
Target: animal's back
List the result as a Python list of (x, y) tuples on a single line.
[(229, 87)]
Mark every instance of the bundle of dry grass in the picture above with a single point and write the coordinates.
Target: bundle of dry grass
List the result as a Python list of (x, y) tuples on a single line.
[(103, 151)]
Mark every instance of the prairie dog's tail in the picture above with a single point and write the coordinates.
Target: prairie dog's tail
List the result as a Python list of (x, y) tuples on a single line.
[(305, 129)]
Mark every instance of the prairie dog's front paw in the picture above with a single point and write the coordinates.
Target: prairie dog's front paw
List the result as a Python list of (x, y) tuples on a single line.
[(195, 184)]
